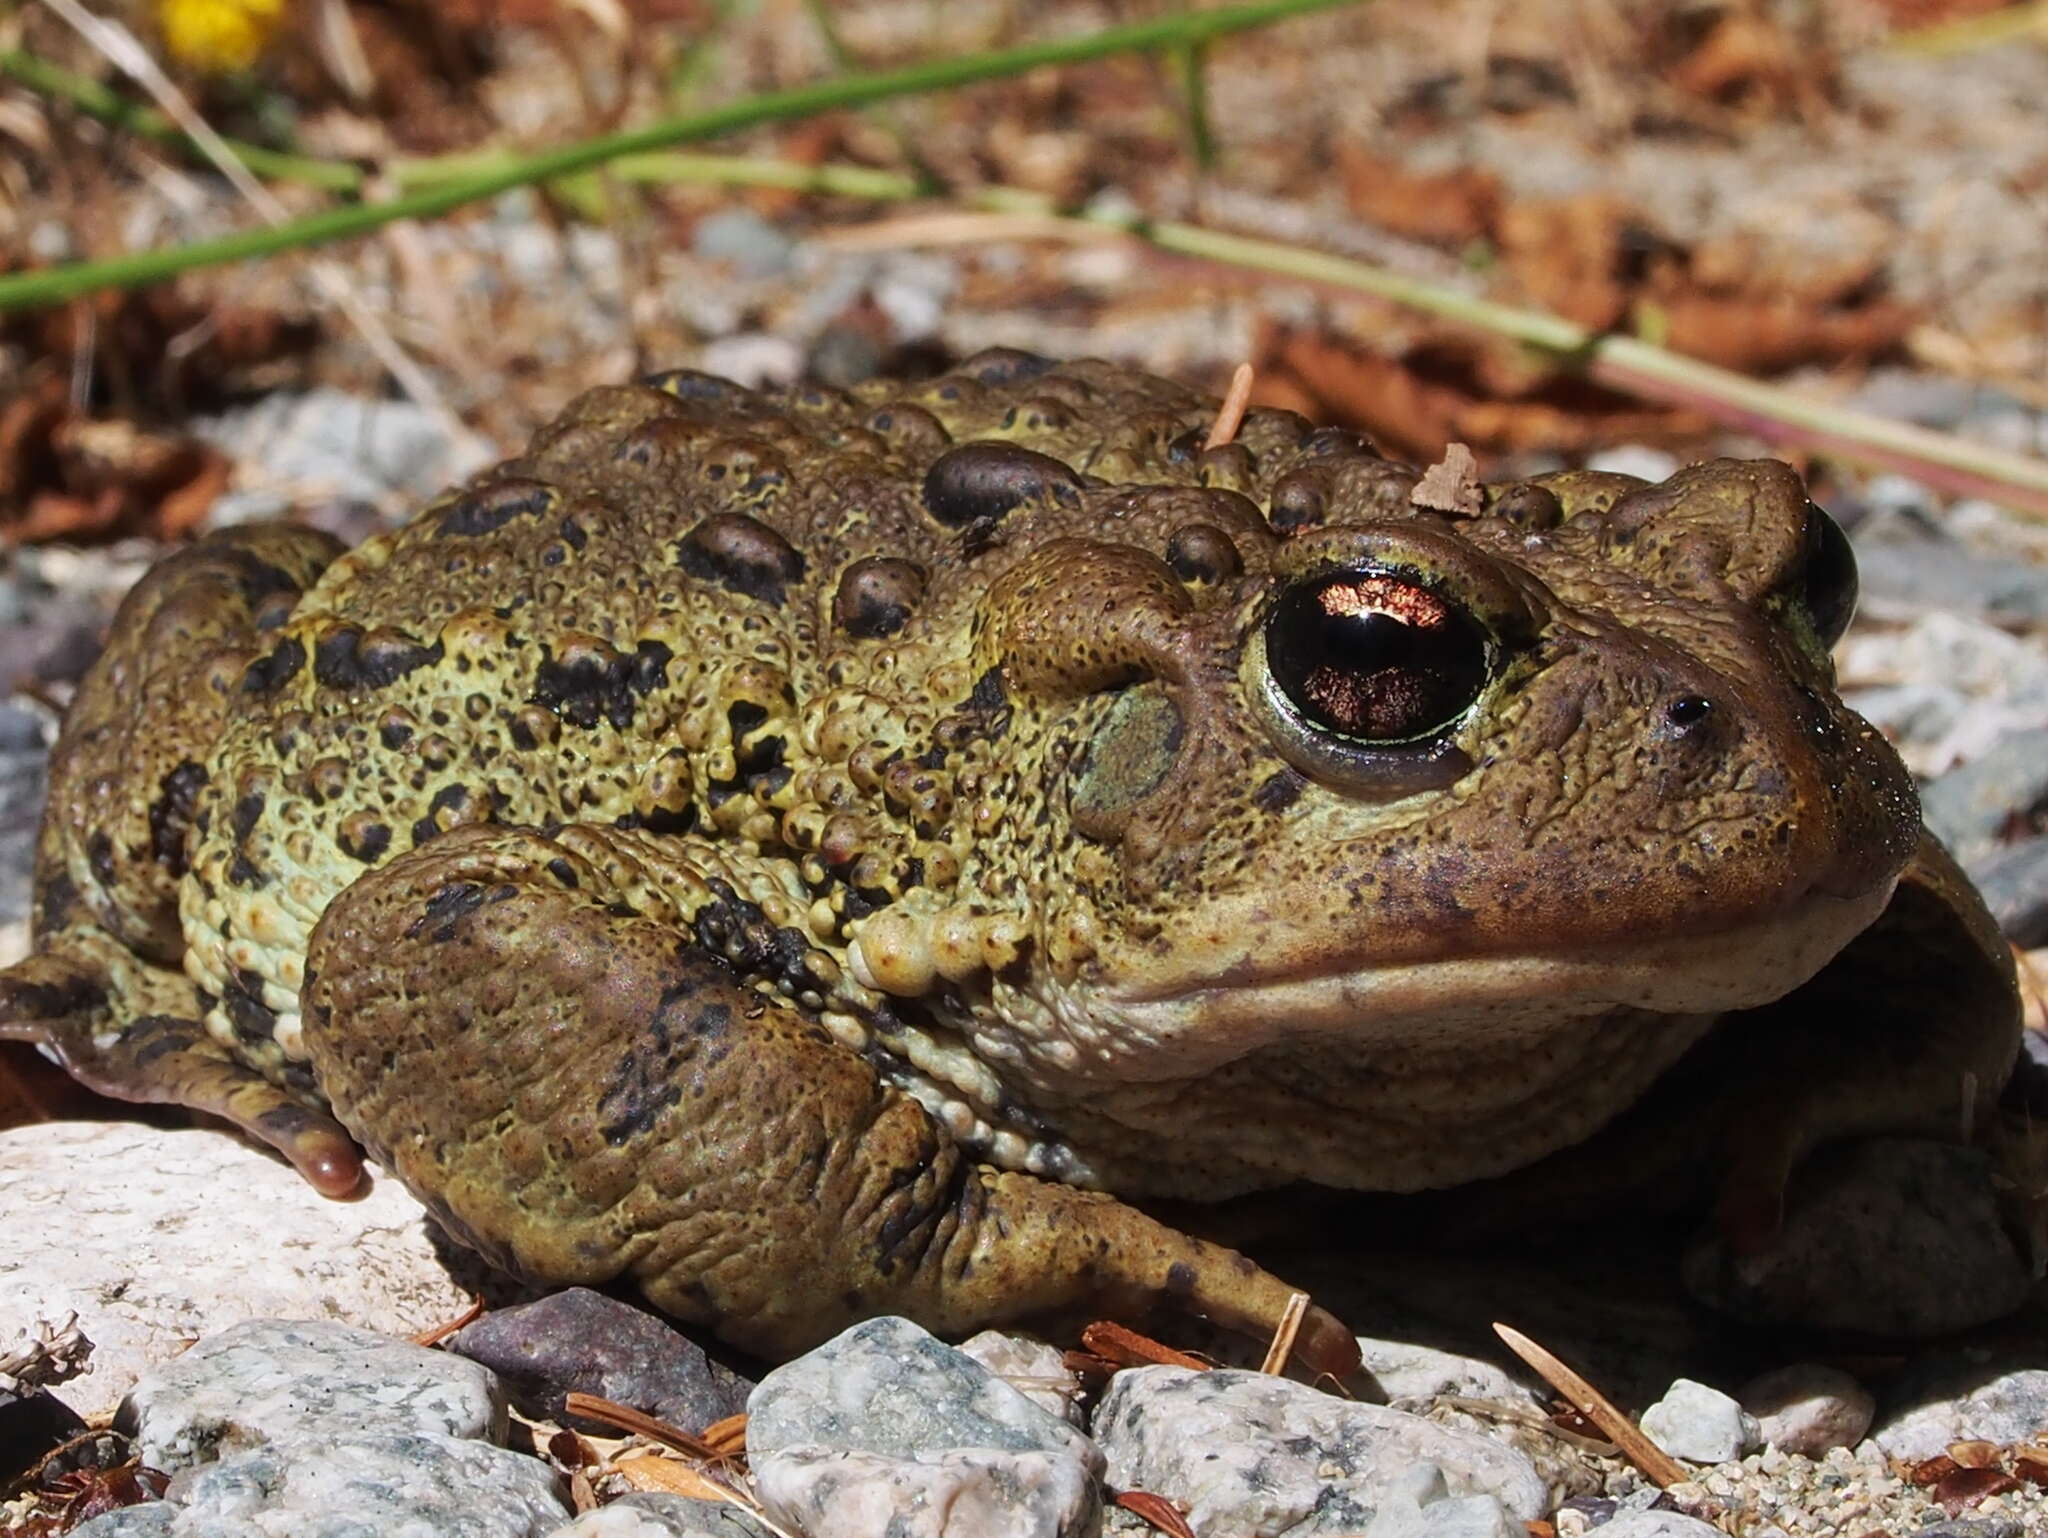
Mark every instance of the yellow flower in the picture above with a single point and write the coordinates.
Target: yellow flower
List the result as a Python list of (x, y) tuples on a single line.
[(218, 35)]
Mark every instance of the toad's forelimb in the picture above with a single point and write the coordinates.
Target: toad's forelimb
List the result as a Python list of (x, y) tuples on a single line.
[(583, 1090)]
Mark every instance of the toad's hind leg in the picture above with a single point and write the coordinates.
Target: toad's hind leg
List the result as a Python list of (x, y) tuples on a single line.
[(538, 1038), (104, 992)]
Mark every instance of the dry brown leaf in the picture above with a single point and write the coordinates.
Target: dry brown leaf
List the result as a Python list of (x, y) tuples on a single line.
[(1974, 1454), (1959, 1491), (1449, 208), (1931, 1471), (2031, 1467), (1157, 1510), (1127, 1348), (1565, 254)]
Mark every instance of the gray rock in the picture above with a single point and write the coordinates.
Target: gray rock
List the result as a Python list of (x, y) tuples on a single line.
[(1247, 1453), (1898, 576), (578, 1340), (1969, 807), (2014, 884), (1408, 1374), (1963, 1397), (1888, 1236), (1699, 1423), (752, 246), (885, 1430), (23, 763), (1807, 1408), (654, 1514), (1974, 1527), (272, 1380), (337, 1484), (329, 443)]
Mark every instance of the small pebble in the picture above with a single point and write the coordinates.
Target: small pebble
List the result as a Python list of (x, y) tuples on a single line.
[(1809, 1409)]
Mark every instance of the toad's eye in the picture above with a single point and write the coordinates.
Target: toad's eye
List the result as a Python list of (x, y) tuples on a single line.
[(1828, 576), (1375, 656)]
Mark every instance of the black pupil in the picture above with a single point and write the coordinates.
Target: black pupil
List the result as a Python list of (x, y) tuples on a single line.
[(1830, 576), (1375, 655)]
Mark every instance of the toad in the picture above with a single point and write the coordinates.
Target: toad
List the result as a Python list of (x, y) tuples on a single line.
[(815, 854)]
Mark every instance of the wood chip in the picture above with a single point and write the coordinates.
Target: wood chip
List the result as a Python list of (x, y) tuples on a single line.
[(653, 1471), (1127, 1348), (1451, 485), (1230, 416), (728, 1437), (1157, 1510), (1656, 1464), (1283, 1335)]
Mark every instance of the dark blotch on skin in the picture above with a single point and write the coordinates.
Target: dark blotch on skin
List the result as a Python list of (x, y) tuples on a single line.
[(348, 657), (1278, 791), (365, 839), (742, 555), (491, 507), (170, 815), (978, 483), (275, 668), (246, 1012), (876, 596), (445, 910), (591, 682)]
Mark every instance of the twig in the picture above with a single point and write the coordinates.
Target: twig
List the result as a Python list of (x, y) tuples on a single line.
[(55, 284), (1663, 1469), (120, 47), (626, 1418), (1297, 1302), (433, 1335), (1229, 418)]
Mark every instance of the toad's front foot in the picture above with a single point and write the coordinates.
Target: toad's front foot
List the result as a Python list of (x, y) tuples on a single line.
[(579, 1090)]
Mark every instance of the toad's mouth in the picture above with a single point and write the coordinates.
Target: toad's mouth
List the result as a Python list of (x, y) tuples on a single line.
[(1470, 1007), (1405, 1077)]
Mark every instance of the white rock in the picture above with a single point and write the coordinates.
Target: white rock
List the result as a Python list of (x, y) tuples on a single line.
[(1245, 1453), (1034, 1368), (654, 1514), (1657, 1524), (1699, 1423), (335, 1485), (156, 1238), (271, 1380), (1419, 1505), (884, 1430), (1807, 1408)]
